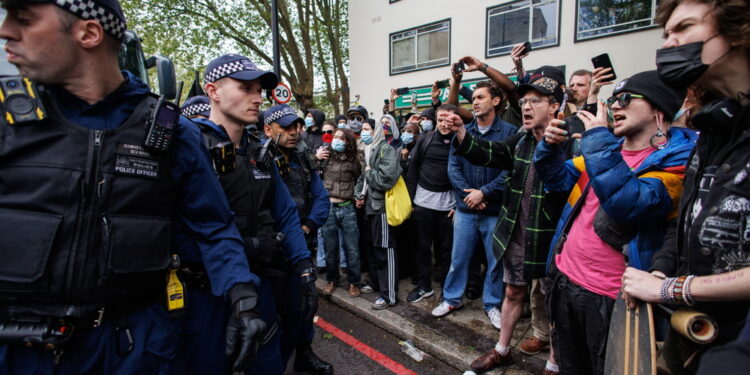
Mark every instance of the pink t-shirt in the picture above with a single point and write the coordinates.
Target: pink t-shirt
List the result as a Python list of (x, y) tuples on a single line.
[(586, 259)]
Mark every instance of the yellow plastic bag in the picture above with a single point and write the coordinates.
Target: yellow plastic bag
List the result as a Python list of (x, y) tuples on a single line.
[(397, 203)]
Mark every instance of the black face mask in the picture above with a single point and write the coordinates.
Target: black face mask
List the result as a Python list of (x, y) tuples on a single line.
[(681, 66)]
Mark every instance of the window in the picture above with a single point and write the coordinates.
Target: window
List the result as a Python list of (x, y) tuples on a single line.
[(420, 48), (536, 21), (596, 18)]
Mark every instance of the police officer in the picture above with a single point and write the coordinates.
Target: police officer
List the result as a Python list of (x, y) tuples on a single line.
[(265, 214), (196, 107), (282, 127), (82, 285)]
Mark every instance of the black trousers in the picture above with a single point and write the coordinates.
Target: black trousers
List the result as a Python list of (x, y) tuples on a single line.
[(434, 230), (383, 268), (581, 320)]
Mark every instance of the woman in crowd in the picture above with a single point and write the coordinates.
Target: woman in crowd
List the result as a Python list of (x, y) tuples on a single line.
[(340, 174), (382, 170)]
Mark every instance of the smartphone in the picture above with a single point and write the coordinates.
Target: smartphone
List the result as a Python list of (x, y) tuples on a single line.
[(603, 61), (459, 67), (402, 91), (526, 48), (442, 84)]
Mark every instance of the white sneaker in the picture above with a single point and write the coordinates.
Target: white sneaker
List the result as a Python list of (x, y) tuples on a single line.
[(494, 315), (443, 309)]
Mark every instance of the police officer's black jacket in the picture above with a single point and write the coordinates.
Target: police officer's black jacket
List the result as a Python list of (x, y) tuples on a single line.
[(249, 188), (84, 217)]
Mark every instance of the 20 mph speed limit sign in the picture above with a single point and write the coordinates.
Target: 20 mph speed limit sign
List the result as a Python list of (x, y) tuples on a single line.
[(282, 94)]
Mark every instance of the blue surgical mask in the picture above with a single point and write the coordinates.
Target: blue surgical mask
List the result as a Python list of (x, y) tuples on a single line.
[(342, 125), (366, 137), (338, 145), (407, 138), (309, 122), (427, 125)]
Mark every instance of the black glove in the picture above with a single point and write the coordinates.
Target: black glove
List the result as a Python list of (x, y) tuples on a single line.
[(308, 293), (245, 329)]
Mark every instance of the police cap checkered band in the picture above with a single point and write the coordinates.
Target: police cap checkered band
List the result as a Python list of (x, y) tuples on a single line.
[(107, 12), (241, 68), (281, 114), (224, 70), (195, 109)]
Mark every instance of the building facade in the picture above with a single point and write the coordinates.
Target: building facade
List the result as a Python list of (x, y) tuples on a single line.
[(412, 43)]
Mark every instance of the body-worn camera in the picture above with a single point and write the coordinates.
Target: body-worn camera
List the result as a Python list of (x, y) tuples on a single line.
[(162, 126), (21, 101), (224, 157)]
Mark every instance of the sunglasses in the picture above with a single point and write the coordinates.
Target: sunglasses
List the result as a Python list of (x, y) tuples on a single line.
[(328, 131), (357, 118), (623, 100)]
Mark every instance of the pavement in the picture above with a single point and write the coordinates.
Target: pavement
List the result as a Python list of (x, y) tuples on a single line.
[(456, 339)]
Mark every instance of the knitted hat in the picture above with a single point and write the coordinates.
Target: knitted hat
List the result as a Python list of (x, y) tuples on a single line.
[(665, 98)]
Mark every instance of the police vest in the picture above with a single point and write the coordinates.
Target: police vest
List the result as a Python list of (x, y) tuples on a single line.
[(86, 214), (249, 188), (297, 179)]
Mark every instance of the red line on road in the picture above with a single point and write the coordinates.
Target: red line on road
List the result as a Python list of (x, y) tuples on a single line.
[(363, 348)]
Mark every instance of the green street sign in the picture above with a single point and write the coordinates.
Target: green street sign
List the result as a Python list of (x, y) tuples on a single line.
[(423, 94)]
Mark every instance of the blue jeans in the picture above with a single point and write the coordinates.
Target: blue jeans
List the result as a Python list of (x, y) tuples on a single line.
[(468, 229), (342, 224), (320, 259)]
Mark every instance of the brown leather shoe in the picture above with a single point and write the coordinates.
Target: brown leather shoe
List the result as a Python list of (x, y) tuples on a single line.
[(354, 291), (532, 345), (330, 287), (490, 360)]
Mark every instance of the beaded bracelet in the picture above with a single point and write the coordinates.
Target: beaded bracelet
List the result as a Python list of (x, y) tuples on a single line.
[(677, 290), (664, 294), (686, 291)]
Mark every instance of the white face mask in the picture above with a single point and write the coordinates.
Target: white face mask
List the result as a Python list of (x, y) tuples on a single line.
[(427, 125)]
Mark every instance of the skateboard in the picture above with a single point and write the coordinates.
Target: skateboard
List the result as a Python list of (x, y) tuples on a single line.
[(631, 343)]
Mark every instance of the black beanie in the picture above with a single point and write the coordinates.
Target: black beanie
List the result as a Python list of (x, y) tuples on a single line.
[(664, 98)]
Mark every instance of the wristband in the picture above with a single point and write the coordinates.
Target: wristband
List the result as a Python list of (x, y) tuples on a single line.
[(677, 289), (484, 67), (686, 291), (664, 294)]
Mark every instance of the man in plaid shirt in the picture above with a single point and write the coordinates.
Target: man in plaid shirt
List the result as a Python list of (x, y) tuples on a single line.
[(528, 215)]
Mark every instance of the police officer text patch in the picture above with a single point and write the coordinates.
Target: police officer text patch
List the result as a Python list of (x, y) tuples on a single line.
[(134, 160)]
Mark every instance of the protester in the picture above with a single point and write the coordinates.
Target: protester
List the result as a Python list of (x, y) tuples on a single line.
[(579, 86), (311, 133), (340, 175), (707, 46), (627, 189), (478, 190), (433, 206), (528, 214), (381, 172)]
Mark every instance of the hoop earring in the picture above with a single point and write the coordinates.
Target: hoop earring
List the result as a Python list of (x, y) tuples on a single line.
[(659, 134)]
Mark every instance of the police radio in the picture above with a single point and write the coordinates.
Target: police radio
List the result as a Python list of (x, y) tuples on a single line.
[(21, 101), (162, 126)]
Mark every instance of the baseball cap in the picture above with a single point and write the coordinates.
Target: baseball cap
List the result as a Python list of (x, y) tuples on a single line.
[(196, 105), (107, 12), (240, 68), (546, 80), (283, 115), (665, 98)]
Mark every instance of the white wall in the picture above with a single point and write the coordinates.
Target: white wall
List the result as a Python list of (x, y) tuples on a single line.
[(371, 22)]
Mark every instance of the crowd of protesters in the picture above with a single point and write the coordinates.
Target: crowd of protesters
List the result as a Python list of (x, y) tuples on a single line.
[(540, 190)]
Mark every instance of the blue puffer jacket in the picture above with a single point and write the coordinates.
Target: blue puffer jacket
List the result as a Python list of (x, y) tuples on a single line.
[(644, 199)]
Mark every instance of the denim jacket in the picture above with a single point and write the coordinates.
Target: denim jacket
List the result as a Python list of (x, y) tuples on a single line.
[(491, 181)]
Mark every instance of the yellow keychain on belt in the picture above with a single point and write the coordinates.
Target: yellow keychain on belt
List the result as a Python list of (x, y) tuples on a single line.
[(175, 287)]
